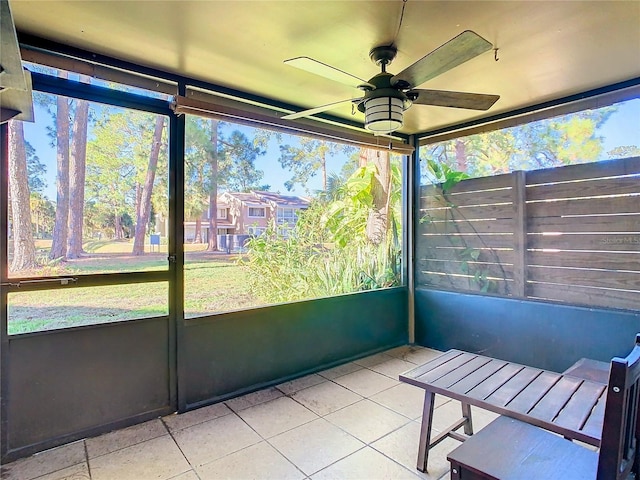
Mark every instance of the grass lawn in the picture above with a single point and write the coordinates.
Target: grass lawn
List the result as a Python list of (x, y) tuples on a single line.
[(213, 283)]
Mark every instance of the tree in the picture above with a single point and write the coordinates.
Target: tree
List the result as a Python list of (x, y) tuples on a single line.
[(24, 249), (624, 151), (77, 173), (546, 143), (241, 154), (213, 188), (60, 228), (142, 218), (307, 159)]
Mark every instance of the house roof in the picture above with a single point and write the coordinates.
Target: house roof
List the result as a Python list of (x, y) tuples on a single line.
[(546, 49), (266, 199)]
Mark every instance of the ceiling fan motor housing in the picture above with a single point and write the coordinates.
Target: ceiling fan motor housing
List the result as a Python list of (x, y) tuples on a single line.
[(384, 105)]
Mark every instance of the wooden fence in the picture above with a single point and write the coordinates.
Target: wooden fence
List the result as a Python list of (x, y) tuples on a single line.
[(569, 234)]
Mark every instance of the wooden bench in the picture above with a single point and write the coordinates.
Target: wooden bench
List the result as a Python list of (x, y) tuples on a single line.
[(565, 404), (509, 449)]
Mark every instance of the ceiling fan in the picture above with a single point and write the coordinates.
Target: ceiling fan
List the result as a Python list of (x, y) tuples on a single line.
[(387, 96)]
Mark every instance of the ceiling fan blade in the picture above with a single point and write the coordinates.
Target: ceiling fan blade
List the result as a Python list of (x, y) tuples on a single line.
[(324, 70), (322, 108), (456, 51), (443, 98)]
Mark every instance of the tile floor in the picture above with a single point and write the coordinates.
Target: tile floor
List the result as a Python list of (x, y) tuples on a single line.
[(355, 421)]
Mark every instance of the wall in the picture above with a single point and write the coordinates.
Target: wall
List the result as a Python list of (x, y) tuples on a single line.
[(540, 334), (238, 352)]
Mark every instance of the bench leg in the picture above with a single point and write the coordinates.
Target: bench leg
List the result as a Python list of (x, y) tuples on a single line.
[(468, 424), (425, 430)]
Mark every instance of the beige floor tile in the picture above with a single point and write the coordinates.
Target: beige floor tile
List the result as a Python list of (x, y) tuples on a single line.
[(367, 421), (340, 370), (447, 414), (45, 462), (112, 441), (393, 368), (194, 417), (276, 416), (365, 382), (420, 355), (257, 462), (255, 398), (365, 464), (325, 398), (77, 472), (190, 475), (399, 352), (208, 441), (159, 458), (404, 399), (402, 446), (373, 360), (300, 383), (315, 445)]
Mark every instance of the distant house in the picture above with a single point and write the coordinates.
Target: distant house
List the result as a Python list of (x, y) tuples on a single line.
[(250, 214)]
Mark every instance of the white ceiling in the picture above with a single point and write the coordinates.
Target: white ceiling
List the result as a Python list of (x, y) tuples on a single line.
[(547, 50)]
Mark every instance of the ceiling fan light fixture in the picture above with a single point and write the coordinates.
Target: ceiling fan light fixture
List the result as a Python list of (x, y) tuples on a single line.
[(383, 114)]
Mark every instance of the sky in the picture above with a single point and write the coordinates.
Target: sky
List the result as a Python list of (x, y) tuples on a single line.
[(622, 128)]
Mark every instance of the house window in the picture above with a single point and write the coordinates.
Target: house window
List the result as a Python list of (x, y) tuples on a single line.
[(256, 230), (287, 215), (257, 212), (222, 213)]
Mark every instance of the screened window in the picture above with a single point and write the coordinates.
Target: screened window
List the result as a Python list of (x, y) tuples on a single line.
[(548, 210), (328, 234)]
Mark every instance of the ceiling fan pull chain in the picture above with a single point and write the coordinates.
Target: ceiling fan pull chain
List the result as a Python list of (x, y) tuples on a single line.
[(495, 54)]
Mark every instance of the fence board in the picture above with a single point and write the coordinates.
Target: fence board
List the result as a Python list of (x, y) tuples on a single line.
[(461, 283), (479, 227), (584, 295), (485, 255), (503, 195), (621, 242), (588, 206), (469, 241), (586, 278), (496, 270), (474, 184), (610, 168), (590, 188), (603, 260), (596, 223), (468, 213)]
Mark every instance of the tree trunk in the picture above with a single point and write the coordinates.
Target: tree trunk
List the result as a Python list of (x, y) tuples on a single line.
[(213, 192), (145, 200), (197, 235), (77, 168), (461, 156), (60, 232), (378, 221), (117, 225), (24, 249)]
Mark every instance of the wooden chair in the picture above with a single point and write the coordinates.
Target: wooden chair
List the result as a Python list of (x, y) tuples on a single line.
[(508, 449)]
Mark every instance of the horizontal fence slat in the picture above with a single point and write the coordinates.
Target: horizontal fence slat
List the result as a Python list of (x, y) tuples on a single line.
[(461, 283), (596, 223), (467, 213), (587, 206), (484, 255), (469, 241), (610, 242), (487, 197), (473, 184), (448, 266), (589, 188), (603, 260), (586, 278), (584, 295), (478, 226), (609, 168)]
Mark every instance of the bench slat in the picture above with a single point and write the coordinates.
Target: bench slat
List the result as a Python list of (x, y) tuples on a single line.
[(480, 375), (461, 372), (510, 389), (556, 398), (495, 381), (531, 395), (579, 407)]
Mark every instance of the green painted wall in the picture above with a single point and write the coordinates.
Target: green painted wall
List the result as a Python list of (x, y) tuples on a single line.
[(237, 352)]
